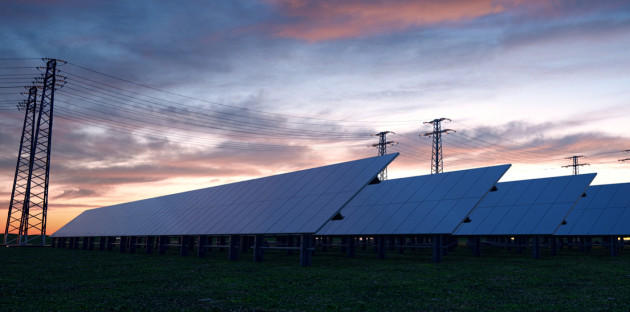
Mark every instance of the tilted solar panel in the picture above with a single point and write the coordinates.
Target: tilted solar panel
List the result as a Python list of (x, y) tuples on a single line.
[(431, 204), (604, 211), (290, 203), (528, 207)]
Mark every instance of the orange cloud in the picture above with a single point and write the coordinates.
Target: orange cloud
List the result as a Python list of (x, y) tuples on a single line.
[(326, 20)]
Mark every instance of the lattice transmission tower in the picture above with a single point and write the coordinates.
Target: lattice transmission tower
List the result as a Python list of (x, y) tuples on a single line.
[(382, 149), (437, 165), (26, 221), (575, 165)]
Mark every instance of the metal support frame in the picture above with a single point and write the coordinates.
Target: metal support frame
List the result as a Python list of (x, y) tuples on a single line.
[(381, 246), (536, 247), (110, 242), (306, 255), (184, 247), (259, 243), (436, 244), (233, 248), (122, 247), (162, 244), (132, 244), (149, 245), (351, 248), (202, 241)]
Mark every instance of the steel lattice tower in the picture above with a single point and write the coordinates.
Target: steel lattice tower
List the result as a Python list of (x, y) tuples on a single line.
[(576, 165), (22, 179), (436, 155), (382, 149), (35, 187)]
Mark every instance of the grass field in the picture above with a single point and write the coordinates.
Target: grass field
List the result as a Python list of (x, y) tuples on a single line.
[(49, 279)]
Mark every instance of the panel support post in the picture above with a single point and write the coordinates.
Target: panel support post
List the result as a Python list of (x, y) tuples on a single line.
[(101, 243), (132, 244), (75, 243), (437, 248), (259, 242), (91, 243), (306, 256), (110, 242), (53, 242), (352, 249), (290, 243), (85, 243), (233, 249), (380, 246), (148, 248), (201, 248), (536, 246), (614, 246), (123, 244), (162, 244), (475, 245), (183, 247), (401, 244), (554, 246)]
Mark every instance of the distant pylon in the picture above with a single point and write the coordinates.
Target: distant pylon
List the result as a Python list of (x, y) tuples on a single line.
[(625, 159), (32, 175), (437, 165), (382, 149), (576, 165)]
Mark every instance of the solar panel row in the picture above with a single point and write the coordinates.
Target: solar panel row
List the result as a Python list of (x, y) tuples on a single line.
[(458, 203)]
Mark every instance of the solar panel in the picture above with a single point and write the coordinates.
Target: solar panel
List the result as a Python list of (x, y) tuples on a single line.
[(528, 207), (431, 204), (604, 211), (290, 203)]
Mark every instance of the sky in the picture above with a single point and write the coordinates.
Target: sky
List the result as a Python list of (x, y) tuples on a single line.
[(159, 97)]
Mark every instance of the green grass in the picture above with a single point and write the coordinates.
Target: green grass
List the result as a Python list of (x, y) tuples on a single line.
[(50, 279)]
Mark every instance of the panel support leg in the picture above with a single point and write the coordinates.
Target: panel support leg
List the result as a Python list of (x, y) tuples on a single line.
[(233, 249), (101, 243), (123, 244), (132, 244), (90, 243), (351, 250), (259, 243), (110, 242), (201, 246), (536, 247), (183, 247), (381, 243), (162, 244), (614, 246), (437, 248), (306, 256)]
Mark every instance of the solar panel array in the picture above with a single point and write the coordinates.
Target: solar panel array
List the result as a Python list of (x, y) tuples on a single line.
[(431, 204), (529, 207), (296, 202), (604, 211)]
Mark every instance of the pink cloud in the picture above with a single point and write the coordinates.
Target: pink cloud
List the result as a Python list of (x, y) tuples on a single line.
[(327, 20)]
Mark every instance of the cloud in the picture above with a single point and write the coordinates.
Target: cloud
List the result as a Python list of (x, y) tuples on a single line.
[(328, 20)]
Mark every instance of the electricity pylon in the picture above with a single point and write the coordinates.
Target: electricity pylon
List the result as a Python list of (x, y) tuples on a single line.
[(33, 167), (22, 178), (437, 165), (576, 165), (382, 149)]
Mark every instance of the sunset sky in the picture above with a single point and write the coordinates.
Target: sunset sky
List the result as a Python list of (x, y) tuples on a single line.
[(167, 96)]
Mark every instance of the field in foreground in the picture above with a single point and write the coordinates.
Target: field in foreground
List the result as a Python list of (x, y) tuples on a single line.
[(47, 279)]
